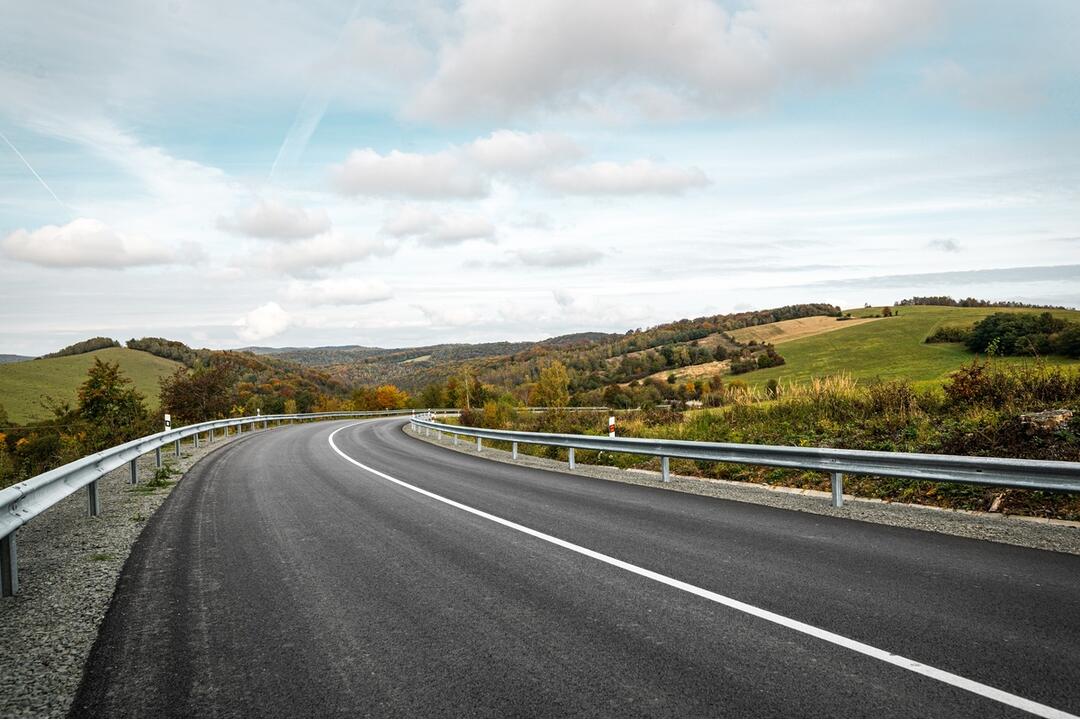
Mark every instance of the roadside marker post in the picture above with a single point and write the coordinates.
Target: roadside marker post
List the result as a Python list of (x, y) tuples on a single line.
[(611, 426), (837, 489)]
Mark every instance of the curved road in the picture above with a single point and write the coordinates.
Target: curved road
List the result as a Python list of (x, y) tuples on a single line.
[(293, 573)]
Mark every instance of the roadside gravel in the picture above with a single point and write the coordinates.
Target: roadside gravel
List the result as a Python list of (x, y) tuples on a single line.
[(68, 567), (1040, 533)]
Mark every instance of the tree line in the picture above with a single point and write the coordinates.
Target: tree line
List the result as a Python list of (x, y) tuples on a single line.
[(1016, 334)]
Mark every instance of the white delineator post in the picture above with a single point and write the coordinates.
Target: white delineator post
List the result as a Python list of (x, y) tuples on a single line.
[(611, 426)]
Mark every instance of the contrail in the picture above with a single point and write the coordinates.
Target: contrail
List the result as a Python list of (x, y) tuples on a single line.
[(307, 120), (310, 113), (31, 169)]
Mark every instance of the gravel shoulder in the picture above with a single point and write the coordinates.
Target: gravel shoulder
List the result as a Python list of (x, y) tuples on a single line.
[(69, 563), (1038, 533)]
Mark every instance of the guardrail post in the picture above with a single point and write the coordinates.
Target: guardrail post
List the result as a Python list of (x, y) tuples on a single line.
[(571, 458), (9, 566), (455, 439), (157, 456), (479, 445), (93, 502), (438, 435), (134, 470), (196, 441), (838, 489), (664, 470), (176, 449), (513, 451)]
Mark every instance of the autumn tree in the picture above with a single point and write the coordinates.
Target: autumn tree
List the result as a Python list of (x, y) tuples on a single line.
[(552, 389), (113, 410), (206, 393), (390, 397), (363, 398)]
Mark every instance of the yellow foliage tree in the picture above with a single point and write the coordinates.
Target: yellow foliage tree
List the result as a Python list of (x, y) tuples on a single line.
[(553, 387), (390, 397)]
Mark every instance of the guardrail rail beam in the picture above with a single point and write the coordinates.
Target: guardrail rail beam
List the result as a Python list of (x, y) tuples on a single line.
[(22, 502)]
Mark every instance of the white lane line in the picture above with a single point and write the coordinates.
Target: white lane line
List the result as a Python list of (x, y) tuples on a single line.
[(1029, 706)]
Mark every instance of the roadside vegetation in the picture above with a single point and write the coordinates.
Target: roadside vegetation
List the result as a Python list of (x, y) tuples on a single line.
[(986, 408)]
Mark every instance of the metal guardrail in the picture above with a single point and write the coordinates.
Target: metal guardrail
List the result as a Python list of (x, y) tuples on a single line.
[(1004, 472), (23, 501)]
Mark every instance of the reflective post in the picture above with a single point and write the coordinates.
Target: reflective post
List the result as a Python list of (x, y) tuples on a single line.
[(837, 489)]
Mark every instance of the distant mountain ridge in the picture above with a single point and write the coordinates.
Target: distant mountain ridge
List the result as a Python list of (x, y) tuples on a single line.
[(444, 352), (4, 359)]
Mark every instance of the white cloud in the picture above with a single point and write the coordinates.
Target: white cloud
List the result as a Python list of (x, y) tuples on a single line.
[(88, 243), (563, 257), (263, 322), (438, 175), (430, 228), (945, 245), (564, 55), (329, 250), (274, 220), (634, 178), (339, 291), (520, 152)]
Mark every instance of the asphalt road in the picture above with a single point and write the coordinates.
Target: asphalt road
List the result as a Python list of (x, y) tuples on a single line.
[(282, 579)]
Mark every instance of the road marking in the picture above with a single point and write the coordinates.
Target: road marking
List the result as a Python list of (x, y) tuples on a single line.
[(1006, 698)]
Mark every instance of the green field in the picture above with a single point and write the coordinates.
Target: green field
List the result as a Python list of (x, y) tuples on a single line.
[(24, 384), (889, 348)]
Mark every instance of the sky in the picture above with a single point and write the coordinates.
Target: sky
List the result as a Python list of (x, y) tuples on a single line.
[(408, 173)]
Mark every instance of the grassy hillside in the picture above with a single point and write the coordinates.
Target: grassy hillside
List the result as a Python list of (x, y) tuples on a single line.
[(788, 330), (24, 384), (887, 348)]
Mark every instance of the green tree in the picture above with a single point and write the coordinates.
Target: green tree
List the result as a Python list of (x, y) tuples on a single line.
[(113, 410), (1068, 341), (433, 396), (552, 389), (206, 393)]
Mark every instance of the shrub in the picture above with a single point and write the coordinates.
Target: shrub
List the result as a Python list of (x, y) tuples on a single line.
[(949, 334)]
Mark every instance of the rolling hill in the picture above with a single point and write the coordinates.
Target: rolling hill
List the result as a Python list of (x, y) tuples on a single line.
[(23, 385), (886, 347)]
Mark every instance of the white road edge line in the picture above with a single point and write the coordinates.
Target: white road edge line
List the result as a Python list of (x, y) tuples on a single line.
[(1006, 698)]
